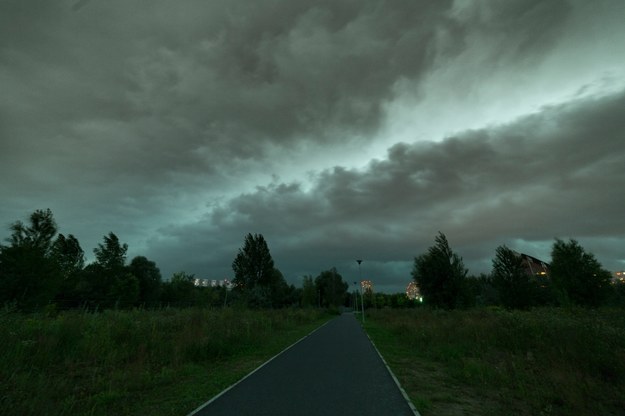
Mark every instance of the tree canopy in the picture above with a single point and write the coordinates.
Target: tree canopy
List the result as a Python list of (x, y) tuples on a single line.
[(331, 288), (253, 264), (510, 279), (440, 275), (38, 234), (112, 254), (149, 277), (30, 276), (577, 276)]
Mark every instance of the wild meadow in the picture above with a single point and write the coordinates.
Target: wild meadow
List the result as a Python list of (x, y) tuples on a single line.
[(490, 361), (156, 362)]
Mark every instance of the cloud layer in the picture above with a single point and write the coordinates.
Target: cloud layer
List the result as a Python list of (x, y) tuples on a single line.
[(552, 174)]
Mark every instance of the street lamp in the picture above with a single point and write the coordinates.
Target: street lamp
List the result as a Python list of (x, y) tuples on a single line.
[(362, 298)]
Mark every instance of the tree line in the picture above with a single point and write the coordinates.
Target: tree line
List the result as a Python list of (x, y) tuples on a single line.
[(575, 278), (42, 268)]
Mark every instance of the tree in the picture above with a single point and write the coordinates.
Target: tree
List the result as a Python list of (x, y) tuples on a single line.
[(27, 278), (108, 282), (124, 291), (440, 275), (68, 254), (149, 278), (38, 235), (71, 261), (253, 264), (577, 276), (331, 288), (29, 275), (511, 280), (279, 290), (179, 290), (483, 290), (111, 255)]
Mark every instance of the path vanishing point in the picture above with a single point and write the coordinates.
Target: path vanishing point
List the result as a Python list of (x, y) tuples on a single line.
[(335, 370)]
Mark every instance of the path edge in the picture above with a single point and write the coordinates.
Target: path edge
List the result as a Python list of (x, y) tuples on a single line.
[(397, 383), (227, 389)]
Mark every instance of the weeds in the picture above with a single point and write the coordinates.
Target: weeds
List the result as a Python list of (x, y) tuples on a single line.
[(545, 361), (131, 362)]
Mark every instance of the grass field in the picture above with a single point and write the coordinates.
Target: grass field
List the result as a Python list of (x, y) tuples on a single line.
[(496, 362), (165, 362)]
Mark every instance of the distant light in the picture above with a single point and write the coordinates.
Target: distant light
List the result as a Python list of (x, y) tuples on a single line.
[(412, 292)]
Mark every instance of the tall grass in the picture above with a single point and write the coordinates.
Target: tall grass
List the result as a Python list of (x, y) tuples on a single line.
[(128, 362), (545, 361)]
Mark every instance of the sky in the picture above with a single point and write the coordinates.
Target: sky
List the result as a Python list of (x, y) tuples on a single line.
[(337, 129)]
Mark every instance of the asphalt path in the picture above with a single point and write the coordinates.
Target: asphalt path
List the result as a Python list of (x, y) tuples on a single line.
[(333, 371)]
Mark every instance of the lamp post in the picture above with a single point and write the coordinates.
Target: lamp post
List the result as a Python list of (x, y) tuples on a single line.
[(362, 298)]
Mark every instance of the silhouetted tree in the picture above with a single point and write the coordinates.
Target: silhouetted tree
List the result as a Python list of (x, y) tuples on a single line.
[(511, 280), (440, 275), (279, 290), (482, 290), (253, 264), (112, 254), (255, 275), (149, 278), (179, 290), (577, 276), (29, 275), (68, 254), (332, 289), (108, 282), (71, 260), (38, 235)]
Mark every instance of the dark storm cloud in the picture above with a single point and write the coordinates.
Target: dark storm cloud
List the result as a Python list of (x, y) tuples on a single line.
[(557, 173), (119, 100), (199, 86), (225, 77)]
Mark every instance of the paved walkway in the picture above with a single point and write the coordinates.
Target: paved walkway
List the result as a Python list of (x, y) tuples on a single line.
[(334, 371)]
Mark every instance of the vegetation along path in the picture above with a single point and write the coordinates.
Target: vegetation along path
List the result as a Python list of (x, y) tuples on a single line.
[(336, 370)]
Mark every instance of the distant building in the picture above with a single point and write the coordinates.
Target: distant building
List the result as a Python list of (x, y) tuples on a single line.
[(618, 277), (212, 283), (534, 266)]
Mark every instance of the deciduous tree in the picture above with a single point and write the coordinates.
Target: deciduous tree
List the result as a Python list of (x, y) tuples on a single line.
[(29, 275), (71, 261), (68, 254), (253, 264), (39, 234), (108, 282), (511, 280), (112, 254), (577, 276), (149, 278), (440, 275), (332, 289)]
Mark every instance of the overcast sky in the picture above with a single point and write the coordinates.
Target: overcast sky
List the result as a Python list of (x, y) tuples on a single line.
[(338, 129)]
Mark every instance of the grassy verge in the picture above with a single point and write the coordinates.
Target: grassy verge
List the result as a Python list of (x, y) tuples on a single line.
[(136, 362), (496, 362)]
